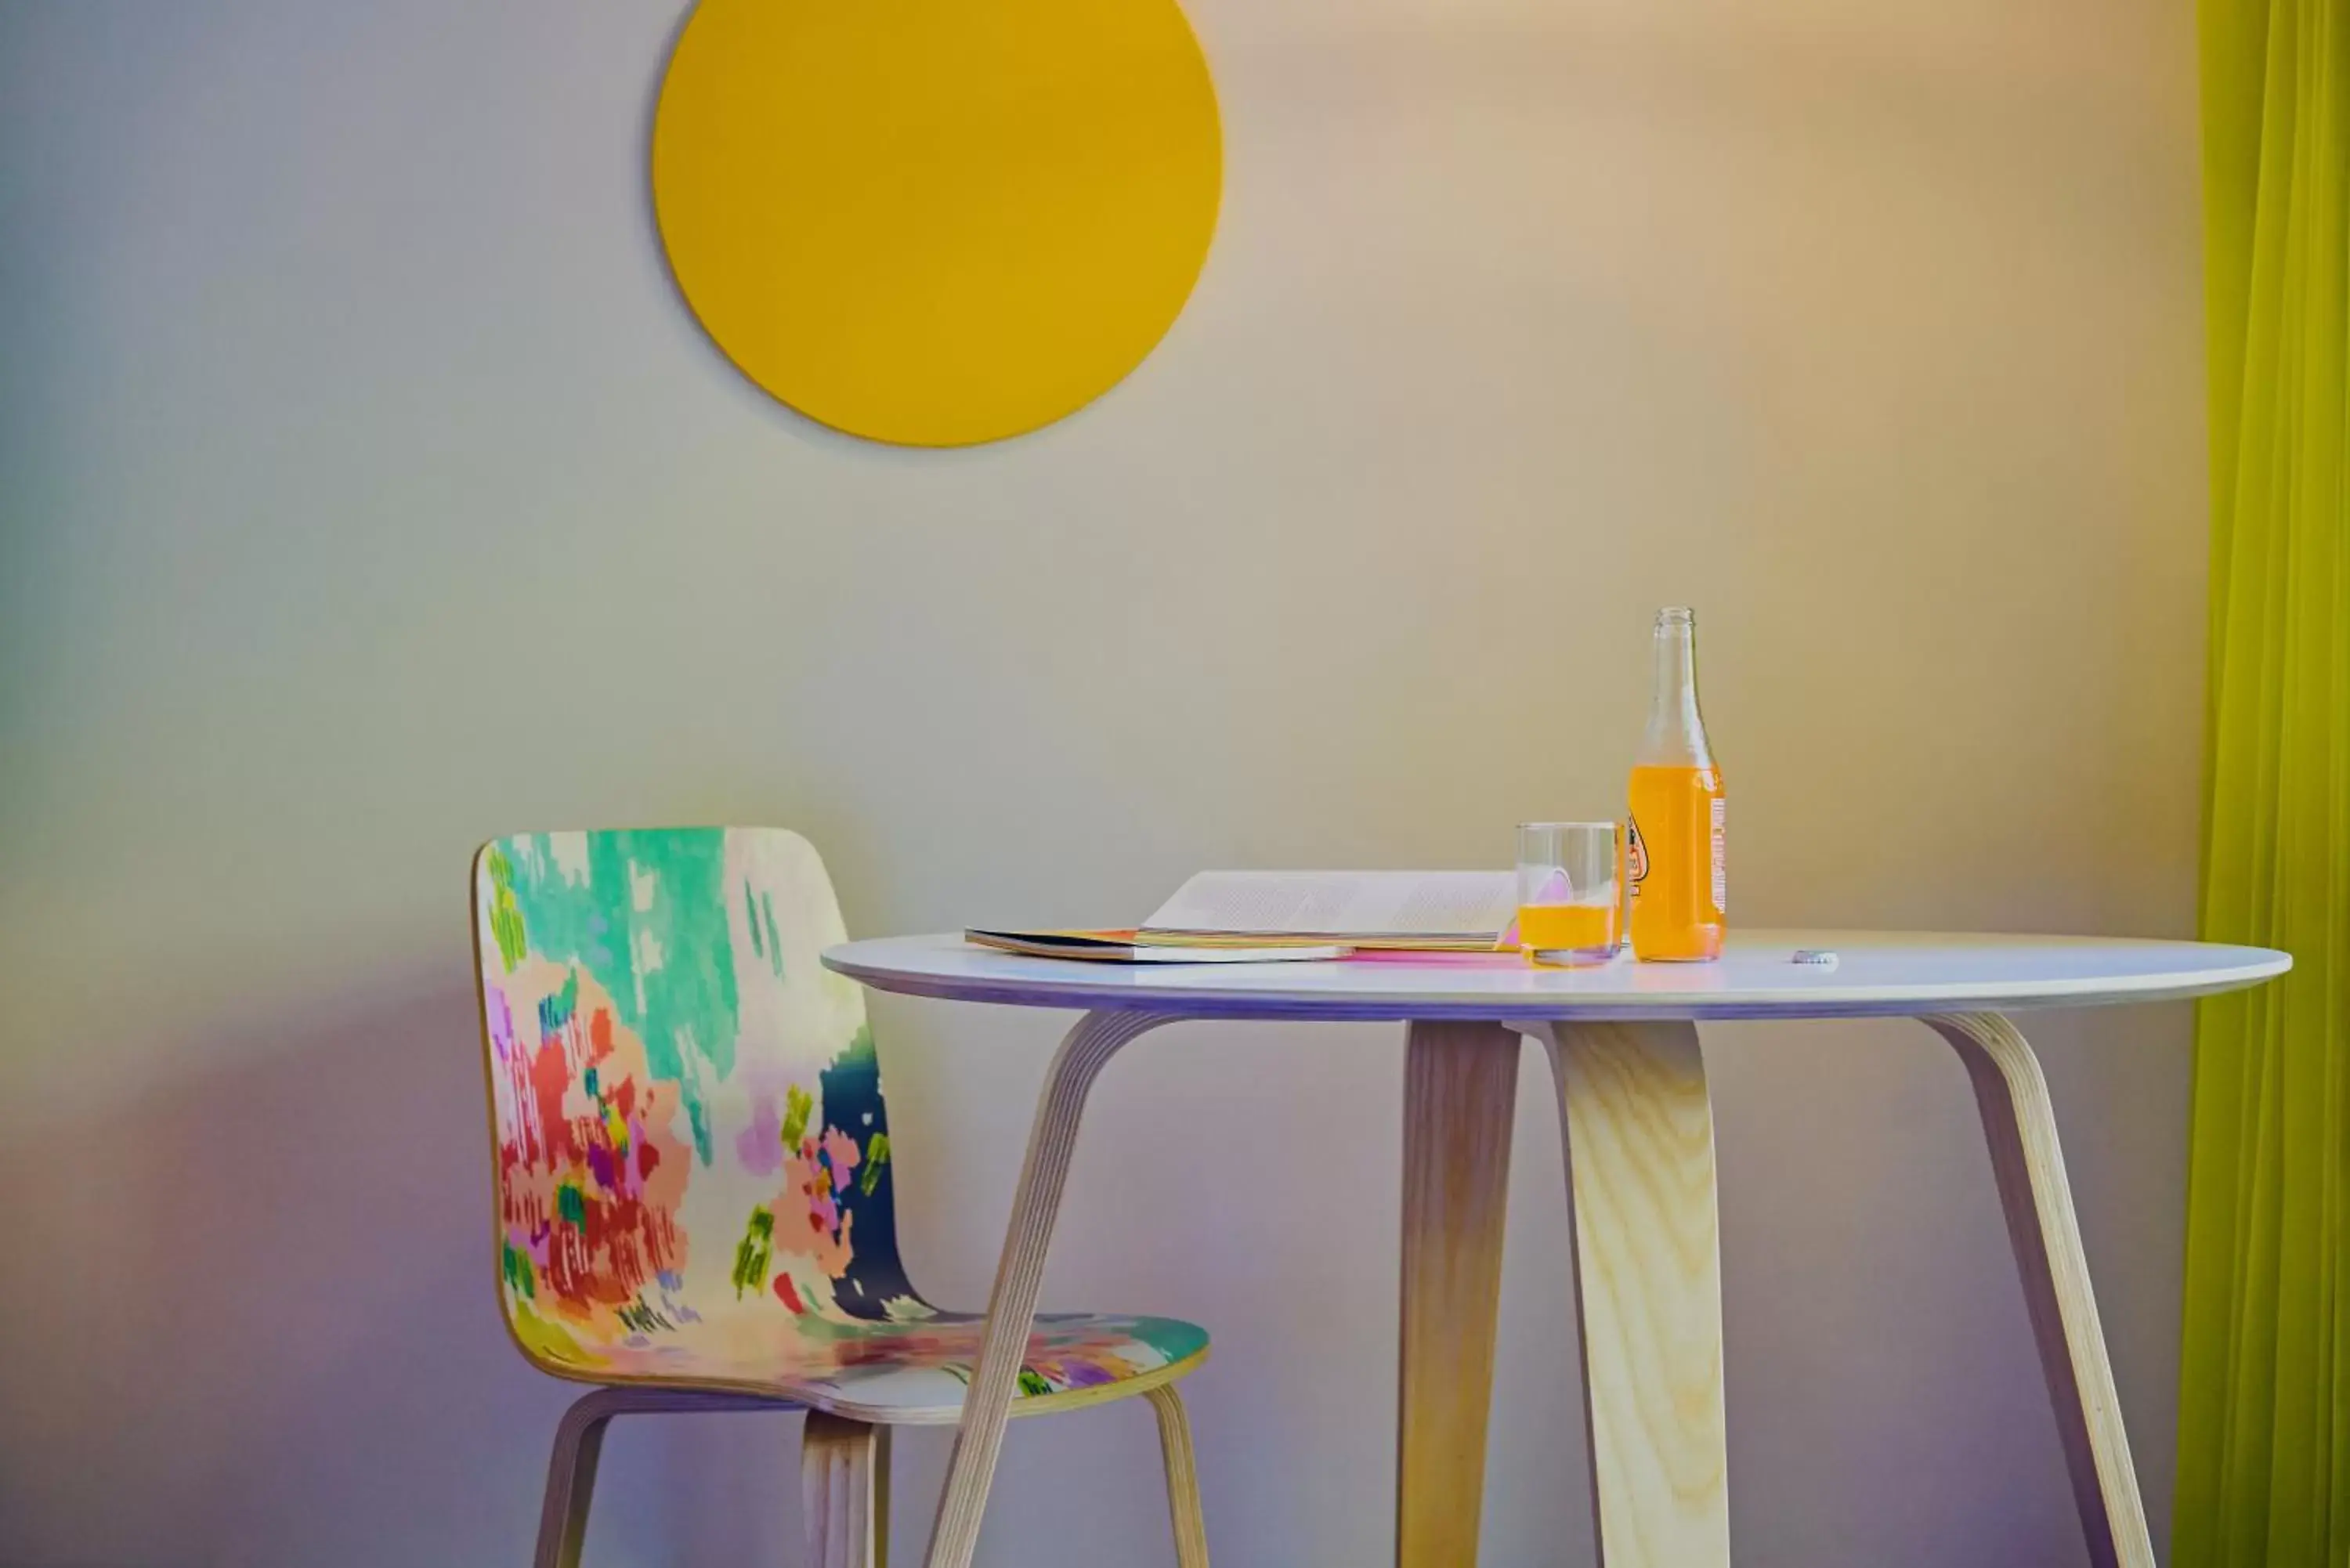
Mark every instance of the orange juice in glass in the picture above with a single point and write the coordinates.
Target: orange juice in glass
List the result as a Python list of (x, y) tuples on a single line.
[(1570, 892)]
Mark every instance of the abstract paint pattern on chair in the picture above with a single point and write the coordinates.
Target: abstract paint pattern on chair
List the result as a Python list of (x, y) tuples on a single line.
[(695, 1180)]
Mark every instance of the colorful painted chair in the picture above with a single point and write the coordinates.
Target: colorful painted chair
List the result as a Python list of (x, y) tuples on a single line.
[(695, 1182)]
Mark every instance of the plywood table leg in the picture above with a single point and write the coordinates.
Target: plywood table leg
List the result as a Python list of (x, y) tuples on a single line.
[(1020, 1275), (1460, 1103), (1638, 1131), (2019, 1124)]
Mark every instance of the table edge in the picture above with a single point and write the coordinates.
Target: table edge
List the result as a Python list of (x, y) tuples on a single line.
[(1924, 1001)]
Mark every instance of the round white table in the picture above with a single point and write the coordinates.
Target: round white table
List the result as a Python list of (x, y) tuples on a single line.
[(1639, 1132)]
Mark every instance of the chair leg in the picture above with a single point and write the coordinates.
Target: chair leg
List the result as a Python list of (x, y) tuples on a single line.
[(1182, 1477), (2020, 1125), (579, 1442), (571, 1480), (844, 1491)]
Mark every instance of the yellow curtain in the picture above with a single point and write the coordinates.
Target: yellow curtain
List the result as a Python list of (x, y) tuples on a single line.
[(2264, 1395)]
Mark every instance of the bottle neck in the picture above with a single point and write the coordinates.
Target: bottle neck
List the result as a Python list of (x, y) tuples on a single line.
[(1676, 733)]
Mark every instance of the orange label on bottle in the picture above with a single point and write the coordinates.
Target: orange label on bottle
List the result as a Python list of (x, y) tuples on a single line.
[(1720, 858)]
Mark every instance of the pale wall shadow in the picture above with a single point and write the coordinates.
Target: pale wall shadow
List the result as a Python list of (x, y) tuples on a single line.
[(251, 1321)]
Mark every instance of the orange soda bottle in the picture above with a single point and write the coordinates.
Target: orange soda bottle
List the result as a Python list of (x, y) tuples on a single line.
[(1678, 891)]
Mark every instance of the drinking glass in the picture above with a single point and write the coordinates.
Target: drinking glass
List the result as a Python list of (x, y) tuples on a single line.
[(1570, 892)]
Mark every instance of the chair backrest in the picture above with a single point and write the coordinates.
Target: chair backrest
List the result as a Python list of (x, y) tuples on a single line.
[(686, 1104)]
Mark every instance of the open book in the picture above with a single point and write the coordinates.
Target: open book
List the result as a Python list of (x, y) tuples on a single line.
[(1251, 917), (1135, 947)]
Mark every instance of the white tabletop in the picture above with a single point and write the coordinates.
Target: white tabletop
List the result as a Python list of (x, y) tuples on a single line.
[(1876, 974)]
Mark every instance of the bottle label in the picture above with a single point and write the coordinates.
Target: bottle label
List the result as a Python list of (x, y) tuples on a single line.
[(1635, 855), (1720, 856)]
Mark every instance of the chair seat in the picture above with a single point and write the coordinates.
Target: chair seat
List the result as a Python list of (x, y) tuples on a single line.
[(909, 1372)]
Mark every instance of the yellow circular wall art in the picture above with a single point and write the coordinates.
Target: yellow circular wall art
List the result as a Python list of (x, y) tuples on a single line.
[(937, 222)]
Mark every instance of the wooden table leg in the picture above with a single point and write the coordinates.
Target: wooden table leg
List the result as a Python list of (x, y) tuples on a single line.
[(1460, 1103), (1019, 1276), (2020, 1126), (1638, 1131)]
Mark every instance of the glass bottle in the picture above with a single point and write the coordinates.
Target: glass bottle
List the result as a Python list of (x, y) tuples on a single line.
[(1677, 871)]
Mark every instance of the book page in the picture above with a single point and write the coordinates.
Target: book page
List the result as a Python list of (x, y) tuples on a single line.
[(1342, 903), (1119, 947)]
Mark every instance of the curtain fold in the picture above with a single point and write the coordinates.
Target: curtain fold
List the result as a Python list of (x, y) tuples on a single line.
[(2264, 1396)]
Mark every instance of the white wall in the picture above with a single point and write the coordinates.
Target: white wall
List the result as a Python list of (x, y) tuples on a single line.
[(366, 491)]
